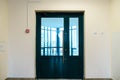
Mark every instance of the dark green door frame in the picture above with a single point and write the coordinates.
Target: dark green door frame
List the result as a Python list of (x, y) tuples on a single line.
[(68, 66)]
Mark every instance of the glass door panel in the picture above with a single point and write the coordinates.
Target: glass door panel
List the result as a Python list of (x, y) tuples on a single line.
[(73, 37), (52, 36)]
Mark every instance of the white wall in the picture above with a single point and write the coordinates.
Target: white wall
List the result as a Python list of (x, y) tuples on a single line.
[(115, 36), (3, 39), (116, 55), (97, 39), (115, 17)]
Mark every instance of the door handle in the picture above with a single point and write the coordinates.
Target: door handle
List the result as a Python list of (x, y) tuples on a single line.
[(63, 59), (63, 56), (65, 49)]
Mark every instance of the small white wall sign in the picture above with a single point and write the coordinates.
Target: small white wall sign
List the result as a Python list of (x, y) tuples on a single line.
[(2, 46)]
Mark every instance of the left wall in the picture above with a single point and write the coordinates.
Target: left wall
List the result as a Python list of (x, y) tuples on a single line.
[(3, 38)]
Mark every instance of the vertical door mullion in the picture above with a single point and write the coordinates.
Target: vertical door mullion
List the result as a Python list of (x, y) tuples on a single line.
[(65, 46), (66, 37)]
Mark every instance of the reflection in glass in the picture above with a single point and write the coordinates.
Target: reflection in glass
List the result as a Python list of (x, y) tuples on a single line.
[(73, 32), (52, 36)]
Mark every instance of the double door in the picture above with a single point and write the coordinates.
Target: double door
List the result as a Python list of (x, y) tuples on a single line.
[(59, 45)]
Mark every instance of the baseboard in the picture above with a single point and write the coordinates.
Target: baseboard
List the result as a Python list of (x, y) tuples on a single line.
[(20, 79), (98, 79), (34, 79)]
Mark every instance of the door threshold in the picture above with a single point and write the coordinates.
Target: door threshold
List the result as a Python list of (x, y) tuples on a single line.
[(59, 79)]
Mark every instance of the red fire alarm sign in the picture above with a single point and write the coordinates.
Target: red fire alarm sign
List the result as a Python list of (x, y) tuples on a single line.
[(27, 30)]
